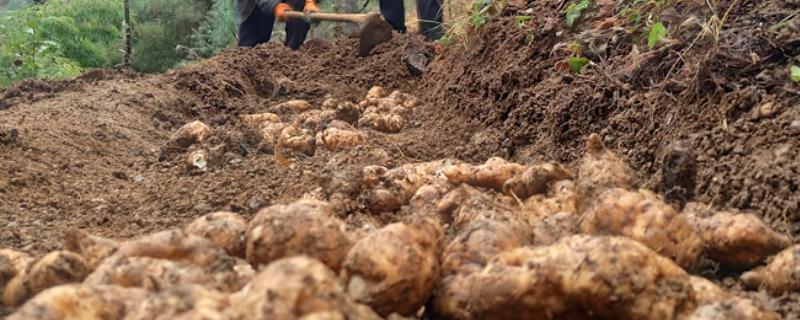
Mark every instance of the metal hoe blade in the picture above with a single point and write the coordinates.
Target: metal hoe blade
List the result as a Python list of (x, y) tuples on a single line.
[(374, 32)]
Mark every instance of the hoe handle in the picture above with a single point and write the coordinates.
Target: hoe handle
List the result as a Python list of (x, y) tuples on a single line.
[(320, 16)]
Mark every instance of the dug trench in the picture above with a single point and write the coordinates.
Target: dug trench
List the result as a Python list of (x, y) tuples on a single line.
[(695, 124)]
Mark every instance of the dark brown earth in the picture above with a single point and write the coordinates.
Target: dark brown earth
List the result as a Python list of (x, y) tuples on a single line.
[(85, 152)]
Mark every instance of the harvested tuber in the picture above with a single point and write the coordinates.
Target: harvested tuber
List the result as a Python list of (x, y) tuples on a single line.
[(600, 170), (292, 106), (780, 276), (157, 274), (269, 136), (296, 139), (336, 139), (536, 179), (478, 243), (554, 227), (387, 190), (465, 204), (191, 133), (560, 198), (78, 302), (256, 121), (182, 302), (493, 174), (394, 269), (577, 278), (644, 217), (294, 287), (376, 92), (93, 249), (715, 303), (305, 227), (224, 229), (55, 268), (12, 263), (179, 246), (738, 241)]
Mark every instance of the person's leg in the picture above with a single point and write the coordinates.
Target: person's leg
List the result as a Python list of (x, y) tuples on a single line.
[(256, 29), (430, 16), (394, 13), (296, 30)]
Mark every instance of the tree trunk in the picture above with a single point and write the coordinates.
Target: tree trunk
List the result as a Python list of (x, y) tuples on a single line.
[(126, 25)]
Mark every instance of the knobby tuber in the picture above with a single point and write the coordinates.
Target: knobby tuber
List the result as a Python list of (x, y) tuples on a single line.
[(578, 277), (492, 174), (294, 287), (644, 217), (387, 190), (224, 229), (55, 268), (78, 302), (12, 263), (256, 121), (182, 302), (191, 133), (738, 241), (781, 275), (536, 179), (93, 249), (394, 269), (305, 227), (600, 170)]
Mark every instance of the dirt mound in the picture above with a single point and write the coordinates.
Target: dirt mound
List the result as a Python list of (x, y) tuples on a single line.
[(85, 152), (719, 85)]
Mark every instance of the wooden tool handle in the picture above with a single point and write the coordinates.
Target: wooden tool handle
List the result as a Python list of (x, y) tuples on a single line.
[(319, 16)]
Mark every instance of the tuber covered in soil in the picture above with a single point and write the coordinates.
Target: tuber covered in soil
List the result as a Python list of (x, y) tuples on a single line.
[(182, 302), (644, 217), (600, 170), (55, 268), (292, 288), (394, 269), (578, 277), (187, 135), (493, 174), (781, 275), (78, 302), (12, 263), (224, 229), (536, 179), (738, 241), (305, 227), (92, 248)]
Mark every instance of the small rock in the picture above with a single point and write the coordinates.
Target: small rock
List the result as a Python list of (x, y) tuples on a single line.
[(254, 203), (8, 136), (138, 178), (796, 124)]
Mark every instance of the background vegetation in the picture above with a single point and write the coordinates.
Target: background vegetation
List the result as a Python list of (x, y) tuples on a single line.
[(53, 39)]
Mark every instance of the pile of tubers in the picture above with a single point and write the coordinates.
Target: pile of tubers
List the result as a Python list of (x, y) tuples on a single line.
[(498, 240), (297, 128)]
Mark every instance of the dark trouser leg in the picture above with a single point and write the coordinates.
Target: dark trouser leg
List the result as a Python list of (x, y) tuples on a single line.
[(394, 13), (256, 29), (430, 18), (296, 29)]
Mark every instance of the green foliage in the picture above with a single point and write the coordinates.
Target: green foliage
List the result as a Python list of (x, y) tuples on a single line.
[(217, 31), (577, 63), (160, 26), (575, 10), (522, 21), (795, 71), (480, 12), (657, 33), (57, 39)]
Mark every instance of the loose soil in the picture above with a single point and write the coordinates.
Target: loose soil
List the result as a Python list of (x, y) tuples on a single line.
[(86, 152)]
